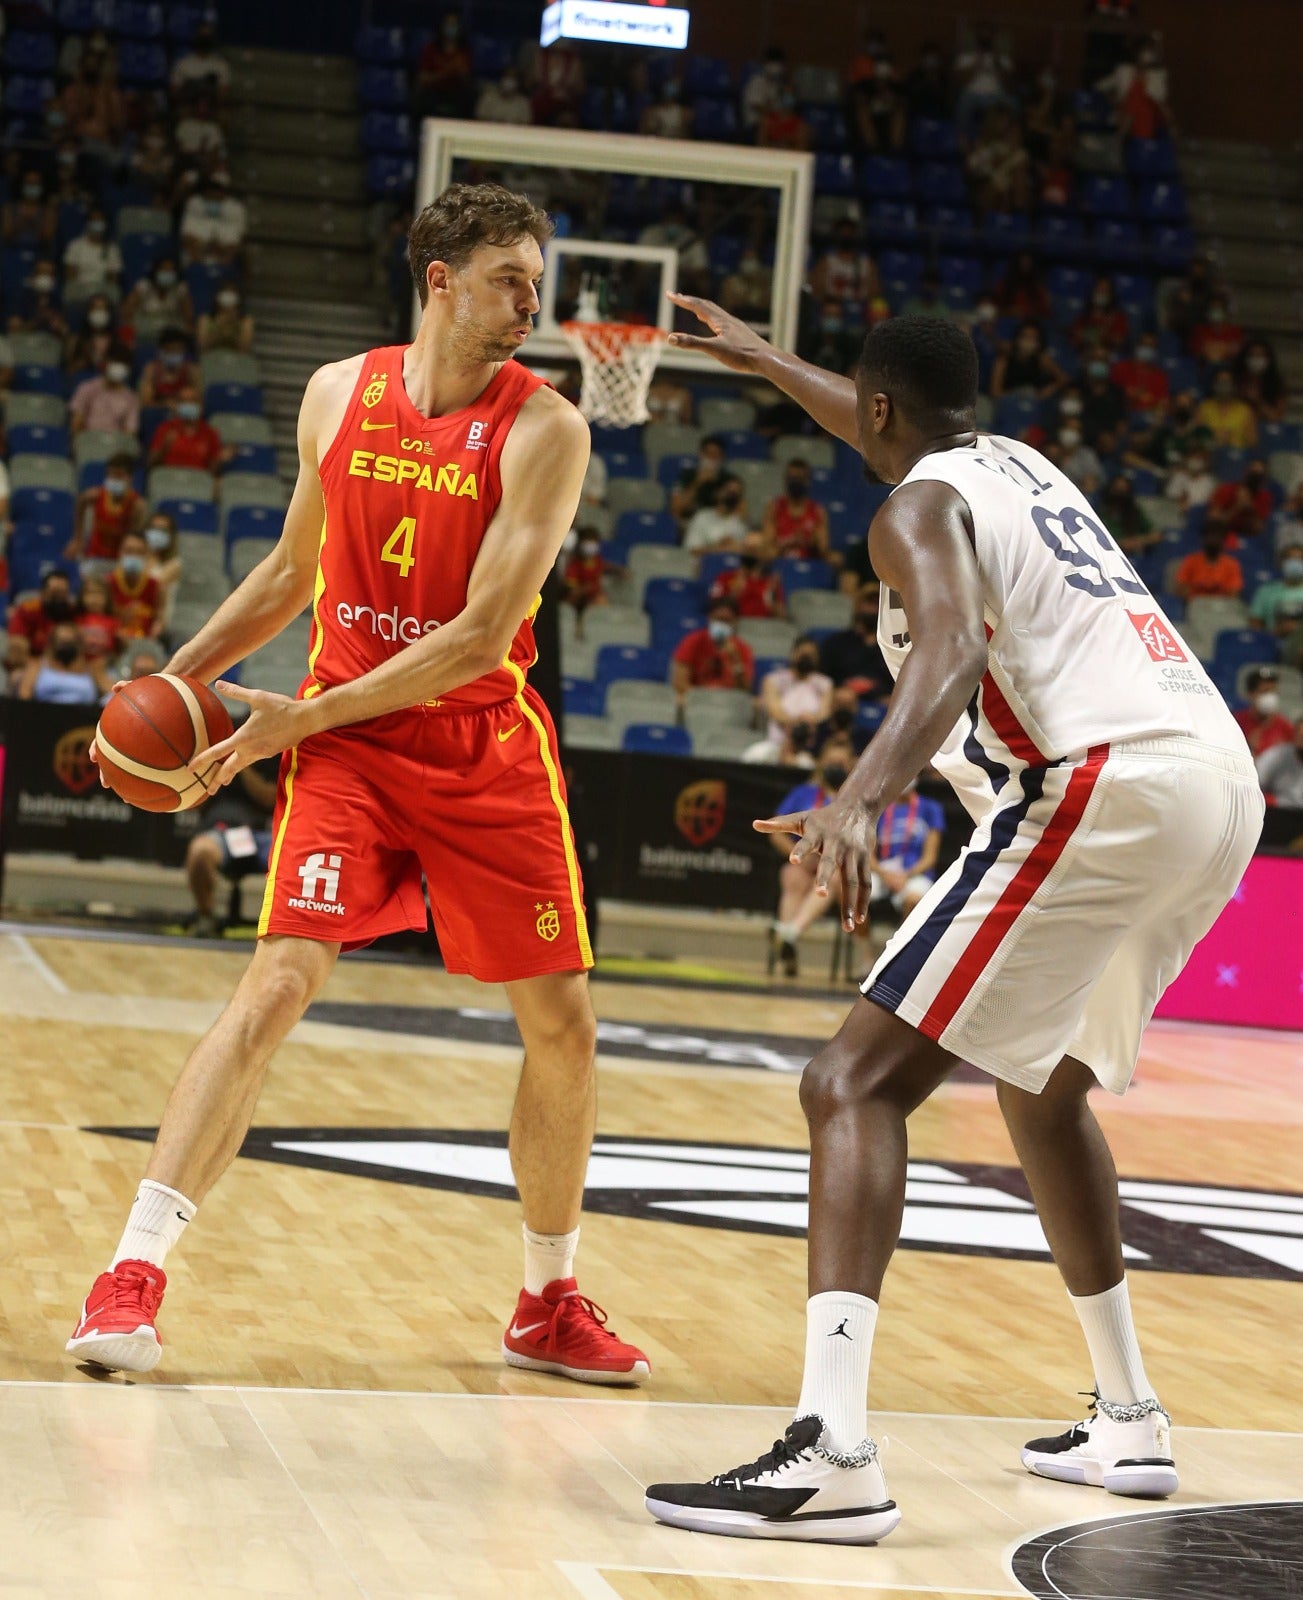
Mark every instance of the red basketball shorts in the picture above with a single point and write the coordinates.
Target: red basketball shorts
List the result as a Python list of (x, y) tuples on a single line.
[(474, 799)]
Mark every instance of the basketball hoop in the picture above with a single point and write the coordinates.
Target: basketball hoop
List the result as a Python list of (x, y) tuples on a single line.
[(616, 363)]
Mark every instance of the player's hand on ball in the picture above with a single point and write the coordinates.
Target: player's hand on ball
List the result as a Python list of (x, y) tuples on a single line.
[(275, 722), (92, 753), (842, 835), (731, 341)]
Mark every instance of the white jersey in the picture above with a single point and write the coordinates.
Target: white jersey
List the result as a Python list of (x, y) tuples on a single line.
[(1080, 653)]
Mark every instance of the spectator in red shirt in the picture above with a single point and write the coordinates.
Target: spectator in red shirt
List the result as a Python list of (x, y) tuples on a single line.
[(137, 599), (170, 371), (1022, 292), (445, 85), (35, 619), (186, 440), (714, 657), (795, 523), (1103, 324), (783, 127), (1143, 381), (1261, 722), (1241, 509), (751, 585), (98, 625), (1218, 338), (1209, 571), (105, 515), (585, 574)]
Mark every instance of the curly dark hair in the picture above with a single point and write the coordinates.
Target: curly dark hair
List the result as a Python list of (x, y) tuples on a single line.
[(466, 216), (927, 365)]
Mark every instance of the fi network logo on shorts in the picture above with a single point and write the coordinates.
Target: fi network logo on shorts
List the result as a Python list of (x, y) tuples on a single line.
[(319, 875)]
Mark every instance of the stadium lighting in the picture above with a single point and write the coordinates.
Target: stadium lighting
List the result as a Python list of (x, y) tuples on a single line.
[(606, 22)]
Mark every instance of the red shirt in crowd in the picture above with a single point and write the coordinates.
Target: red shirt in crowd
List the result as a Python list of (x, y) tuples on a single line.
[(186, 444), (134, 605), (29, 619), (731, 665), (755, 594), (584, 577), (796, 526), (99, 634), (1109, 327), (1145, 384), (1264, 733), (1216, 342), (1240, 508), (109, 520), (1197, 575)]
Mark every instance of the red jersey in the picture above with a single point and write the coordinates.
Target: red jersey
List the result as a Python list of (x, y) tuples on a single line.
[(796, 525), (135, 607), (109, 521), (585, 577), (408, 502), (755, 594), (193, 444)]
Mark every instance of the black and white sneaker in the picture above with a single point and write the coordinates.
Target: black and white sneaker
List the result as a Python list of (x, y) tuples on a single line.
[(798, 1490), (1126, 1449)]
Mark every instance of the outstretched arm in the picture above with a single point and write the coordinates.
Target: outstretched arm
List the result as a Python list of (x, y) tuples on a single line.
[(826, 396)]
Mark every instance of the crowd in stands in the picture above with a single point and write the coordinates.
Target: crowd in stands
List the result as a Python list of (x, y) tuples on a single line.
[(132, 429)]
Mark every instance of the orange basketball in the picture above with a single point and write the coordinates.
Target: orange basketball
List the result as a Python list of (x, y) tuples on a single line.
[(150, 730)]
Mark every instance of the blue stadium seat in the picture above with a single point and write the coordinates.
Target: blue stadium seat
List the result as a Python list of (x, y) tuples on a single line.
[(492, 53), (1104, 196), (714, 119), (670, 628), (29, 378), (255, 458), (184, 21), (708, 75), (375, 46), (669, 468), (1229, 462), (963, 272), (26, 97), (1115, 241), (141, 250), (582, 698), (32, 438), (713, 563), (621, 450), (35, 54), (795, 574), (834, 174), (619, 661), (138, 19), (53, 506), (1060, 237), (1005, 231), (868, 718), (940, 184), (893, 222), (142, 63), (387, 133), (646, 527), (1182, 372), (901, 266), (673, 597), (83, 16), (1171, 247), (1239, 647), (742, 444), (1092, 109), (242, 397), (27, 568), (934, 140), (1162, 201), (1015, 413), (192, 516), (656, 738), (253, 522), (1274, 436), (827, 127), (1151, 158), (382, 89), (952, 225), (886, 178), (389, 174), (42, 540)]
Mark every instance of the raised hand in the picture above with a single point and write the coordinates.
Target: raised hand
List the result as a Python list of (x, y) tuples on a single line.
[(731, 342)]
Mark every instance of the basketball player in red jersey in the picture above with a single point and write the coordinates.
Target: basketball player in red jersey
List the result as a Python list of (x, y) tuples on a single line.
[(436, 484)]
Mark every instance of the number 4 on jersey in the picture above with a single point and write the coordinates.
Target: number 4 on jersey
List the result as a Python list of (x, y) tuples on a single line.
[(398, 546)]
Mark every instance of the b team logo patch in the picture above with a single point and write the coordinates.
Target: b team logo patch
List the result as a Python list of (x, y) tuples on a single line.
[(548, 926), (1157, 637), (374, 391), (475, 439), (319, 876)]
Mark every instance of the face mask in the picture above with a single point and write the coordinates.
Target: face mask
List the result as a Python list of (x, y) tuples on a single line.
[(1257, 364), (214, 206), (1216, 314), (450, 29), (774, 71), (1098, 369), (43, 284), (116, 486), (188, 411), (509, 85), (730, 502), (98, 318), (172, 358), (31, 191), (55, 118), (587, 550), (116, 372), (986, 313), (708, 466), (672, 92), (1071, 407), (1268, 704), (749, 563), (1291, 569), (834, 777), (1196, 466), (58, 607), (1212, 548), (95, 227), (157, 539), (1100, 301), (133, 566), (165, 278), (882, 70), (719, 630), (1146, 353), (1224, 391), (228, 299), (803, 666), (832, 324), (843, 717), (1027, 347), (797, 488), (67, 159), (1070, 438), (67, 652), (866, 621)]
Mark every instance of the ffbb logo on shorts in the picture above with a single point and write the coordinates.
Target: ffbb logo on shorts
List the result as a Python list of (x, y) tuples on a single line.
[(319, 876)]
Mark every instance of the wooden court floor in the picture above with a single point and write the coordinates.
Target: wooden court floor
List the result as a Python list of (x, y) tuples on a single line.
[(331, 1416)]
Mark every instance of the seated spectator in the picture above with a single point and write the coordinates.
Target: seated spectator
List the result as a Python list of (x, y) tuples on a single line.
[(1260, 383), (92, 262), (28, 221), (445, 81), (153, 161), (161, 299), (752, 585), (560, 85), (141, 661), (201, 67), (1210, 572), (164, 564), (783, 127), (670, 117), (504, 101), (1145, 384), (1191, 484), (73, 181), (1027, 367), (17, 654), (88, 350), (798, 692), (1074, 457), (1260, 721), (1125, 518), (105, 516), (1021, 292), (698, 485), (38, 309), (228, 326), (62, 675), (199, 136), (851, 656), (877, 112), (720, 526), (106, 404), (186, 440), (1228, 419), (35, 618), (906, 850), (213, 222), (748, 292), (983, 74), (1242, 508), (1103, 407), (998, 165), (795, 523), (98, 625), (77, 49), (1047, 120), (94, 111), (1103, 325), (929, 299), (668, 401), (586, 573), (838, 338), (1187, 300), (927, 88), (1219, 338), (841, 720), (799, 903), (764, 89), (714, 657), (238, 846), (1179, 435), (1280, 771), (1277, 607), (675, 232), (170, 371), (137, 598), (846, 273), (1139, 93)]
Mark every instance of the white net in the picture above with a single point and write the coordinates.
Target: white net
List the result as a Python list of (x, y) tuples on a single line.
[(616, 363)]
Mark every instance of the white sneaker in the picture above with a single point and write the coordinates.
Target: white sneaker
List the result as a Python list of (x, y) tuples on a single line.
[(797, 1490), (1126, 1449)]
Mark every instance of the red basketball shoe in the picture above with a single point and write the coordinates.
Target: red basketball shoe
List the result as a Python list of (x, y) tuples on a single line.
[(117, 1330), (562, 1331)]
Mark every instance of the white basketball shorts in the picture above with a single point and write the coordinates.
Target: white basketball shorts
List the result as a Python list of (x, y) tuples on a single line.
[(1076, 902)]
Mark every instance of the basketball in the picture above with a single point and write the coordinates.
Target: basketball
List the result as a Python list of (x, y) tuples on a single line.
[(150, 730)]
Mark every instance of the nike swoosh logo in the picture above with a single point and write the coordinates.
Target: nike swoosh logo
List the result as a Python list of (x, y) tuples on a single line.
[(505, 733), (375, 427), (519, 1333)]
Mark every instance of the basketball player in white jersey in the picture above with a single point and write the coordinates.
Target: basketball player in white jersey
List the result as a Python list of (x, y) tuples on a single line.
[(1115, 809)]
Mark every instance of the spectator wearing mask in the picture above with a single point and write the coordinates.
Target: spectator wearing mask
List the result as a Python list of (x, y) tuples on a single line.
[(164, 563), (29, 218), (795, 523), (670, 117), (1139, 376), (1278, 606), (851, 657), (160, 300), (752, 585), (748, 292), (94, 345), (714, 657), (105, 516), (586, 573), (504, 101), (998, 165), (36, 618), (1210, 572), (201, 67), (153, 161), (784, 128), (877, 112), (700, 483), (106, 404), (841, 722), (17, 654), (798, 692), (186, 440), (1139, 92), (92, 262), (1280, 771), (1125, 519), (927, 88), (675, 232), (1228, 419), (1073, 456), (846, 273), (1103, 325), (445, 82), (929, 299), (721, 526), (213, 223), (1242, 509), (1261, 721), (228, 326), (907, 849), (1219, 339), (1188, 300), (1259, 381), (239, 846), (170, 372), (97, 624), (137, 599), (1191, 484), (1178, 436), (62, 676), (983, 73), (1103, 407), (835, 345), (560, 85), (141, 661), (799, 905), (1027, 367), (38, 309), (1021, 292), (764, 90), (198, 133)]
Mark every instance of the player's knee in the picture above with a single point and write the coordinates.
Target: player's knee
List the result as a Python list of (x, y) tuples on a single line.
[(836, 1081), (280, 987), (566, 1033), (204, 848)]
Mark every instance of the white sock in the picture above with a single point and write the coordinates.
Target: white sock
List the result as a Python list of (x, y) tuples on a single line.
[(548, 1256), (158, 1218), (838, 1342), (1111, 1339)]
